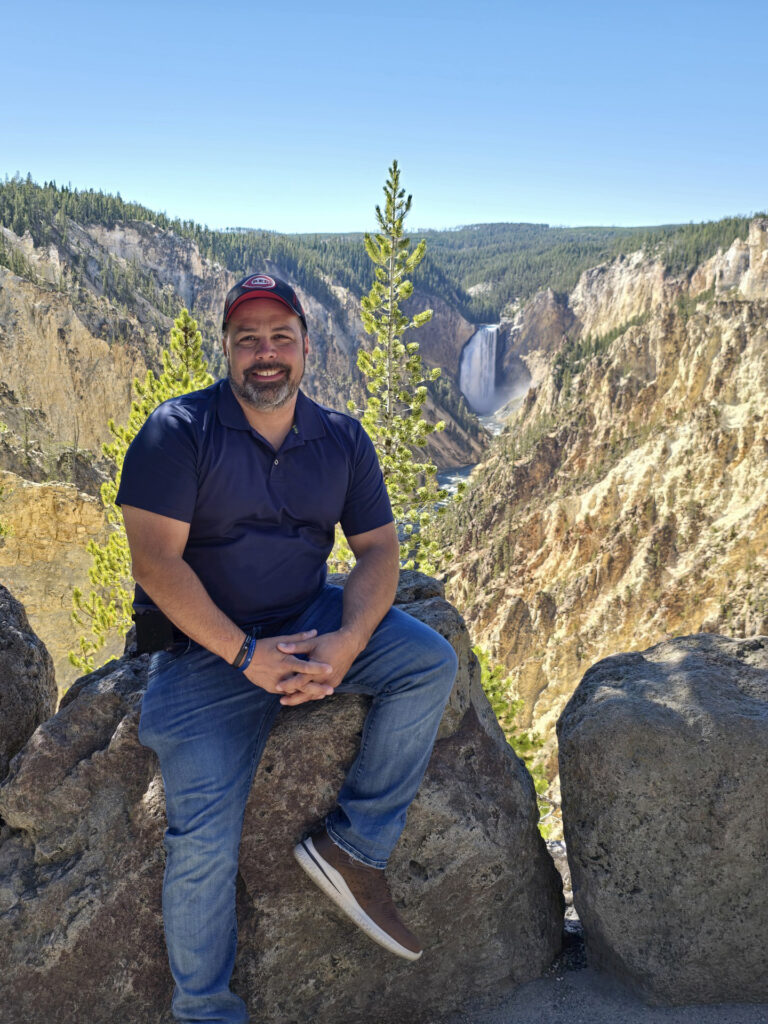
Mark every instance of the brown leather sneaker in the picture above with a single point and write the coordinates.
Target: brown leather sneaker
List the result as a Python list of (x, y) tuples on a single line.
[(360, 891)]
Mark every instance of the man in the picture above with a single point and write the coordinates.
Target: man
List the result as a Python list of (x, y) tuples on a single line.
[(230, 497)]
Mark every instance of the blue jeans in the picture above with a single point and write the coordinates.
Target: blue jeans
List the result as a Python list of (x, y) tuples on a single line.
[(208, 725)]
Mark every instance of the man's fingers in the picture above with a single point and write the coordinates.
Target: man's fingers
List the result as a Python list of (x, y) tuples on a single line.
[(294, 638), (295, 646), (310, 668), (295, 683), (301, 697)]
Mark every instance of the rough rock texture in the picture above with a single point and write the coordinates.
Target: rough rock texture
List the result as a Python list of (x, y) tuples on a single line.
[(61, 379), (81, 863), (630, 506), (27, 683), (43, 557), (664, 771), (528, 336), (741, 270), (627, 288)]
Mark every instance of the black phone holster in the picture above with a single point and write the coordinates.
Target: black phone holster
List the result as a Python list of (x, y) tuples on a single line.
[(155, 632)]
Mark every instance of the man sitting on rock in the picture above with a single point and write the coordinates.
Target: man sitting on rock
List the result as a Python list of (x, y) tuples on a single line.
[(231, 496)]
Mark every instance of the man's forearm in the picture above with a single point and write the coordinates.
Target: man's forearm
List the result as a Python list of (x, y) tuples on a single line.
[(177, 591), (368, 593)]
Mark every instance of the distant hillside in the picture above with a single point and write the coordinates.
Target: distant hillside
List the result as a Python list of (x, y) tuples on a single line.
[(477, 269)]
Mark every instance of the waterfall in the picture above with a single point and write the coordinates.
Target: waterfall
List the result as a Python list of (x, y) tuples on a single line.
[(477, 369)]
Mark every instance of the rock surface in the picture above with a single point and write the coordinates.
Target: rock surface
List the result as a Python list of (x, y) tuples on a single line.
[(27, 683), (81, 863), (664, 770), (44, 556)]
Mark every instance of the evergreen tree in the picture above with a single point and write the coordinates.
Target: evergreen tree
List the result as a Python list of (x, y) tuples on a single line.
[(395, 380), (107, 608), (525, 744)]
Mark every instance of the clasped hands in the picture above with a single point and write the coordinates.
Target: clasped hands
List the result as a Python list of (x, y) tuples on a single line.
[(276, 668)]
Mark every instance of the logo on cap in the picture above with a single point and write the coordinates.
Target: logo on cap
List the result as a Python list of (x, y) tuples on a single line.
[(259, 281)]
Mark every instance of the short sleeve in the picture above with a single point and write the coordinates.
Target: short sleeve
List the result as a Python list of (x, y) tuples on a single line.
[(160, 467), (367, 503)]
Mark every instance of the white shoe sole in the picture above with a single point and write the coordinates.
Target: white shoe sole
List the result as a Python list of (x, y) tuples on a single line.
[(333, 885)]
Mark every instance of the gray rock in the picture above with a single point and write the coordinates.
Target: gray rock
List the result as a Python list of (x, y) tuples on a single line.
[(81, 863), (664, 771), (27, 683)]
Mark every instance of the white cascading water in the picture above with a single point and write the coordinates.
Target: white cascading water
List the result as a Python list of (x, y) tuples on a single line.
[(477, 369)]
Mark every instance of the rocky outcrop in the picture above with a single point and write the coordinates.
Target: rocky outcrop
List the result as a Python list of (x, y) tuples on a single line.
[(27, 683), (628, 288), (43, 557), (81, 865), (663, 769), (539, 325), (62, 379), (742, 270)]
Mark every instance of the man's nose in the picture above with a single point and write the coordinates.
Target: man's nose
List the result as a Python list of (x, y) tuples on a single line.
[(265, 347)]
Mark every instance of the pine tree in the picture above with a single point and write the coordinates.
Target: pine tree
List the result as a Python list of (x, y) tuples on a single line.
[(107, 608), (395, 380), (497, 688)]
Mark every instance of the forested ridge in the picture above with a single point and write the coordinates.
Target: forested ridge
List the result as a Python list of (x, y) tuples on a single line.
[(478, 268)]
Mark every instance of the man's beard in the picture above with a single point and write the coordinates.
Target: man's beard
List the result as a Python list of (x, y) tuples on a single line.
[(260, 395)]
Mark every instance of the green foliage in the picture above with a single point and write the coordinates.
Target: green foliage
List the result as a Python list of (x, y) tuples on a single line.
[(506, 708), (395, 380), (686, 305), (107, 608)]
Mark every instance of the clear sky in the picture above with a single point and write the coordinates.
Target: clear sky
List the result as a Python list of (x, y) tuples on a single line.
[(287, 115)]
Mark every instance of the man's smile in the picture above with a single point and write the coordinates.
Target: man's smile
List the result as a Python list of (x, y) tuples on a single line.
[(271, 374)]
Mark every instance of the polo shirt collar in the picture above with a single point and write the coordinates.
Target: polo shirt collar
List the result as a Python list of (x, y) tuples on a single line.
[(308, 420)]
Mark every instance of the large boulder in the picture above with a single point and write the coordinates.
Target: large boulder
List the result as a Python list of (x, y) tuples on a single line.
[(81, 863), (664, 771), (27, 683)]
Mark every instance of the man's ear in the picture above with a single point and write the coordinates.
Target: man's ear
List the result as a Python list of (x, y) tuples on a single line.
[(224, 343), (306, 345)]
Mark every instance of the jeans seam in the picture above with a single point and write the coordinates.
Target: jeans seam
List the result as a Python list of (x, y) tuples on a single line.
[(355, 854)]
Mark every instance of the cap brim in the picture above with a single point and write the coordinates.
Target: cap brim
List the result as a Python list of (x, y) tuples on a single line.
[(250, 296)]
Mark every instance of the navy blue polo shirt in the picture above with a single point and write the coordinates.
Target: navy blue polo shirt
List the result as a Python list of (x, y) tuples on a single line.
[(261, 522)]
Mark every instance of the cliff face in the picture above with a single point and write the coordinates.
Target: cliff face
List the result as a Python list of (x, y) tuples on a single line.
[(631, 504), (43, 556), (60, 382)]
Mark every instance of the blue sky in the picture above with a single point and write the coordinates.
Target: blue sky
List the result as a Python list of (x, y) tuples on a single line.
[(287, 116)]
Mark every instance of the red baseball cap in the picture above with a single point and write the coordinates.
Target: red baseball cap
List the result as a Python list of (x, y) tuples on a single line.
[(262, 286)]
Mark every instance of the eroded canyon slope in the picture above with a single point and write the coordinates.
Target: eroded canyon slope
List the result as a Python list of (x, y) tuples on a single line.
[(627, 501)]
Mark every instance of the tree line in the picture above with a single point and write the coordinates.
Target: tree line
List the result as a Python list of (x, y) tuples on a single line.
[(510, 261)]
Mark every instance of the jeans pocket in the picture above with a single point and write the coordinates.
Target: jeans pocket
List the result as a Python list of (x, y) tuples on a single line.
[(160, 660)]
